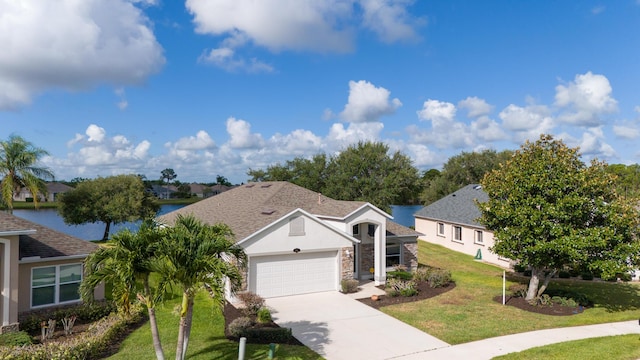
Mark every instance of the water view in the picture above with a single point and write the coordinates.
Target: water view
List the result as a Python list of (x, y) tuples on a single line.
[(402, 214)]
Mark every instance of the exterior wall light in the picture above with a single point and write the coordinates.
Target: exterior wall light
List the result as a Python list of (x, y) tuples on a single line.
[(296, 250)]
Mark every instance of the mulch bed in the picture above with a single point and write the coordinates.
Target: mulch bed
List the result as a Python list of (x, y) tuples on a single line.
[(424, 292), (231, 313), (554, 309)]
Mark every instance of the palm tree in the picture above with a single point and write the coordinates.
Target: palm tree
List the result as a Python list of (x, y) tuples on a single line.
[(127, 261), (197, 255), (168, 174), (17, 169)]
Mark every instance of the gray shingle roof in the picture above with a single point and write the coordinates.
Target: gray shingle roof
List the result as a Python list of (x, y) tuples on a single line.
[(458, 207), (251, 207), (46, 242)]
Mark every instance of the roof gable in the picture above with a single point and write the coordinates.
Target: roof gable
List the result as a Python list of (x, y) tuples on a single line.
[(458, 207)]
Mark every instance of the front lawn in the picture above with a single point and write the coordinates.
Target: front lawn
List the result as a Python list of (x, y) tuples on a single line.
[(623, 347), (207, 337), (468, 313)]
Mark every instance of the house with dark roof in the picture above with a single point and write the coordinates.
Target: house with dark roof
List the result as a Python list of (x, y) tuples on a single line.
[(54, 189), (453, 223), (298, 241), (40, 267)]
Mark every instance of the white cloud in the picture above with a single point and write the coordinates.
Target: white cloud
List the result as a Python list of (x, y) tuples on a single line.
[(591, 143), (487, 129), (298, 142), (438, 112), (367, 103), (72, 45), (527, 123), (240, 135), (95, 133), (627, 131), (389, 19), (226, 59), (475, 106), (323, 26), (201, 141), (340, 137), (585, 99)]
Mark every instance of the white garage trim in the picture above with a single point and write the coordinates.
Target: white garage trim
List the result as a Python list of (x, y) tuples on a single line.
[(292, 274)]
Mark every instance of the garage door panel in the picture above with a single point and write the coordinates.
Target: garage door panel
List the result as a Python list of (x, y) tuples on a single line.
[(291, 274)]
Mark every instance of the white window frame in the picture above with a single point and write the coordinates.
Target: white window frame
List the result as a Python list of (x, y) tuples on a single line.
[(478, 237), (440, 229), (454, 229), (296, 226), (56, 286)]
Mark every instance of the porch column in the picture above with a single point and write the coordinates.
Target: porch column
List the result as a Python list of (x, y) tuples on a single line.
[(380, 255), (6, 280)]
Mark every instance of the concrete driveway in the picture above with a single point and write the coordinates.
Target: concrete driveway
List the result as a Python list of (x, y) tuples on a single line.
[(339, 327)]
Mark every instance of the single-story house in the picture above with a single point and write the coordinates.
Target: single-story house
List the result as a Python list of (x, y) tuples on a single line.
[(298, 241), (40, 268), (54, 189), (163, 191), (453, 223)]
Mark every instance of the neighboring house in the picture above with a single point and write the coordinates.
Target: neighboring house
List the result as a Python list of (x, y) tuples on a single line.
[(298, 241), (218, 189), (163, 191), (453, 223), (199, 190), (40, 268), (54, 189)]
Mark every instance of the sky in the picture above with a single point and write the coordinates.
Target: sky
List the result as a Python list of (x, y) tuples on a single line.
[(218, 87)]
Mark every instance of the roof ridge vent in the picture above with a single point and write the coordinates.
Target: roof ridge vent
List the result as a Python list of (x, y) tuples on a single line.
[(477, 187), (265, 185), (267, 211)]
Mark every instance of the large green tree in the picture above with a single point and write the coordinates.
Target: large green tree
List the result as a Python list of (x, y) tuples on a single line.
[(197, 255), (368, 172), (18, 169), (126, 263), (110, 200), (460, 170), (364, 172), (549, 210)]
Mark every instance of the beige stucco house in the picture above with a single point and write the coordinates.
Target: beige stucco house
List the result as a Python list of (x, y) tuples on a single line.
[(453, 223), (40, 268), (298, 241)]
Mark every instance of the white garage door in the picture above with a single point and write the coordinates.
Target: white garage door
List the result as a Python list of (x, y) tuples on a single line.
[(282, 275)]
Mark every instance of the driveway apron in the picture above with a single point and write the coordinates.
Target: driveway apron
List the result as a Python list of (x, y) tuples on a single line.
[(338, 327)]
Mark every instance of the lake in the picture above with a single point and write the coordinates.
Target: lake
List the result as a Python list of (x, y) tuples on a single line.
[(402, 214)]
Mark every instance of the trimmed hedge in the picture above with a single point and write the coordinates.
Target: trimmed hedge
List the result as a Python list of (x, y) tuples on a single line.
[(268, 335), (17, 338), (86, 313)]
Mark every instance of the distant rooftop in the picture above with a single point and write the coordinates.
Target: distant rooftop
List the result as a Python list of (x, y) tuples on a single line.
[(458, 207)]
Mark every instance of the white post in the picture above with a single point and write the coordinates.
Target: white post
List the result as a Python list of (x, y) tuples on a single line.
[(504, 286), (243, 342)]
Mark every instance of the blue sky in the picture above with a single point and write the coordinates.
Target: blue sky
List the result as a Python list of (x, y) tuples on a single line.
[(216, 87)]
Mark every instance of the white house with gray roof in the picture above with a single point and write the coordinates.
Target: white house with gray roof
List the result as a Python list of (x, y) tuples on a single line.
[(453, 223), (298, 241)]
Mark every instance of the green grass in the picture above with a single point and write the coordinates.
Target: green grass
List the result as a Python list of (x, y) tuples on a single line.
[(623, 347), (207, 337), (468, 312)]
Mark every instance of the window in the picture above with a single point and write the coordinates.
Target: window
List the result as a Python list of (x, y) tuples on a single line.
[(355, 230), (479, 237), (55, 284), (441, 229), (457, 233), (393, 255), (371, 230), (296, 226)]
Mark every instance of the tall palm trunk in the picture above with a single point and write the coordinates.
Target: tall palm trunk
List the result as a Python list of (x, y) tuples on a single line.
[(185, 325), (155, 335)]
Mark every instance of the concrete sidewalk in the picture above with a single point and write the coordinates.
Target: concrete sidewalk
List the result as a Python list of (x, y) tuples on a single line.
[(489, 348)]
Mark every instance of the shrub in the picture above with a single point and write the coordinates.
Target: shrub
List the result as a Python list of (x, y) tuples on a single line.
[(264, 315), (564, 274), (398, 287), (16, 338), (519, 268), (85, 313), (349, 286), (268, 335), (421, 273), (252, 303), (518, 290), (586, 276), (439, 278), (399, 274), (578, 298), (239, 325)]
